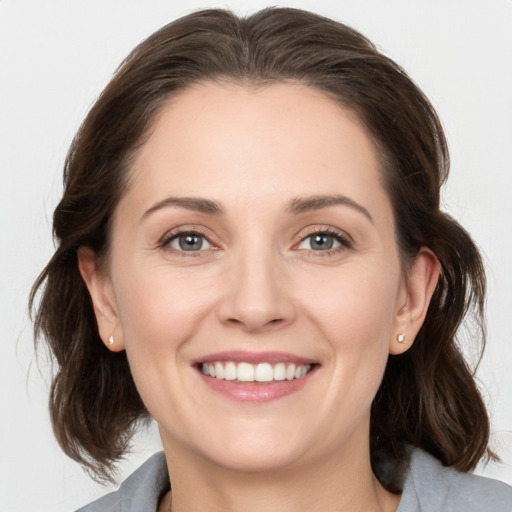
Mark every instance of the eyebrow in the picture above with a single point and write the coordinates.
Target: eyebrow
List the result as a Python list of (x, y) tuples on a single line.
[(306, 204), (197, 204), (295, 206)]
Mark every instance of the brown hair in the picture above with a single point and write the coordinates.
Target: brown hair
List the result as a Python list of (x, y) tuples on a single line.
[(428, 397)]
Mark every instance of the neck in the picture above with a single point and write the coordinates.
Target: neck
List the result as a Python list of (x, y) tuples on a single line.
[(331, 485)]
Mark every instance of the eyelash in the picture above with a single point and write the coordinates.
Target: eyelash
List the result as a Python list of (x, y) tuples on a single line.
[(344, 241), (173, 235)]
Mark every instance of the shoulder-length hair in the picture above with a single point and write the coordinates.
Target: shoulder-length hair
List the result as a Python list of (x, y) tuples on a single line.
[(428, 397)]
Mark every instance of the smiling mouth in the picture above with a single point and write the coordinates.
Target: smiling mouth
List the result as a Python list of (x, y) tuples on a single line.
[(261, 372)]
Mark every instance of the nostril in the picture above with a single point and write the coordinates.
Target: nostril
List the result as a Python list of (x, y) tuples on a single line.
[(254, 324), (253, 308)]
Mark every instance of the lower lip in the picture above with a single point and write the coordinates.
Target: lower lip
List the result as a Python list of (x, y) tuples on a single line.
[(255, 392)]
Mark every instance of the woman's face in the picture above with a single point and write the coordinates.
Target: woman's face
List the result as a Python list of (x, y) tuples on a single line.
[(255, 241)]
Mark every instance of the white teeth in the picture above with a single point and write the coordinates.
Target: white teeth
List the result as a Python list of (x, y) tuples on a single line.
[(262, 372), (219, 371), (245, 372), (279, 371), (230, 371), (290, 372)]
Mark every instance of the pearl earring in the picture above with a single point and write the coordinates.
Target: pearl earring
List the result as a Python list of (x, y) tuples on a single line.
[(111, 340), (401, 338)]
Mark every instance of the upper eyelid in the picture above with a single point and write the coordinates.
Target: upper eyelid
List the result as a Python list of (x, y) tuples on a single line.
[(304, 233), (329, 230), (180, 230), (174, 233)]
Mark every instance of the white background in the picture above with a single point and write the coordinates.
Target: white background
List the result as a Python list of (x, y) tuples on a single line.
[(56, 56)]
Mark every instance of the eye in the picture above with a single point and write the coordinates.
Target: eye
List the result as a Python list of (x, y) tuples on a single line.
[(189, 242), (323, 241)]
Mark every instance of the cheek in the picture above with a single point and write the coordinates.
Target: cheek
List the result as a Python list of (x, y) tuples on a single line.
[(159, 310), (355, 313), (160, 313), (355, 305)]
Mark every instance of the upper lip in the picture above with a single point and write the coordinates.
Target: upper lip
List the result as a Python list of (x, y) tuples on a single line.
[(241, 356)]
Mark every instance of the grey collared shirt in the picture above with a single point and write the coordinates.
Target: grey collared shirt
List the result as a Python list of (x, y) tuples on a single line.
[(429, 487)]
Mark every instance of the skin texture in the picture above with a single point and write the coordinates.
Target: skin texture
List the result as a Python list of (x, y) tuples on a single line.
[(258, 285)]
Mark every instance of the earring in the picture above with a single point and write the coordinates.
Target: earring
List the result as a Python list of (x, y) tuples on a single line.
[(401, 338), (111, 340)]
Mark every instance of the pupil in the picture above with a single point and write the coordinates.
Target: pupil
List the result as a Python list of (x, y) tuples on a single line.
[(190, 242), (322, 242)]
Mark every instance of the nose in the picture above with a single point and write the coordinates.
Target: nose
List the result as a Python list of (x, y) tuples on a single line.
[(258, 294)]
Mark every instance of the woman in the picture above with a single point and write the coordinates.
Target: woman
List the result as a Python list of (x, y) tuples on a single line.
[(251, 252)]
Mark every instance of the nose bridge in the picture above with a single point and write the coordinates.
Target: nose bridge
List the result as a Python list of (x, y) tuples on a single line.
[(258, 295)]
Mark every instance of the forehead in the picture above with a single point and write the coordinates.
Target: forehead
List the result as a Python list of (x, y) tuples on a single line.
[(228, 141)]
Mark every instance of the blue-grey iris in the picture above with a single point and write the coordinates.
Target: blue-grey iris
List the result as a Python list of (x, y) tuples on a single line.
[(190, 242), (322, 242)]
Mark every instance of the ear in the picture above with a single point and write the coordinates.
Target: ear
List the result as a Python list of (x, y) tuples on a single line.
[(99, 284), (420, 283)]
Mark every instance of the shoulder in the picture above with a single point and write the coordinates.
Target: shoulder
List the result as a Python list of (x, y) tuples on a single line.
[(430, 487), (140, 491)]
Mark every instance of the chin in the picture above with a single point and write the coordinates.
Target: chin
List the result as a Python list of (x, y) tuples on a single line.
[(256, 460), (262, 448)]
